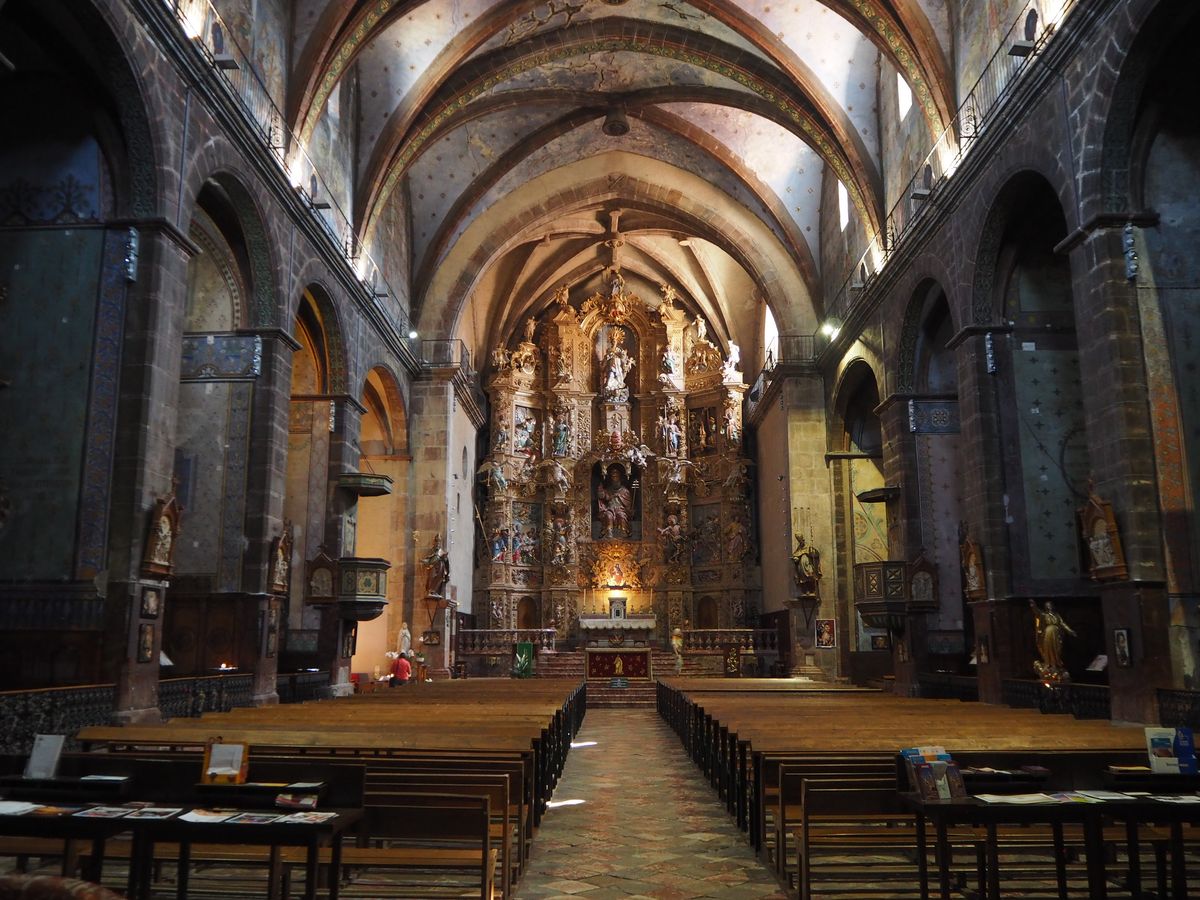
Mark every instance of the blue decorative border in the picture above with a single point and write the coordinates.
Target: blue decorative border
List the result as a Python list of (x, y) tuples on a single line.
[(96, 486)]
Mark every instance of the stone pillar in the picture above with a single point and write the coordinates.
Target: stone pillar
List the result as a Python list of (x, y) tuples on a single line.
[(996, 619), (144, 453), (910, 652), (1121, 438), (338, 635), (265, 488), (795, 497), (432, 402)]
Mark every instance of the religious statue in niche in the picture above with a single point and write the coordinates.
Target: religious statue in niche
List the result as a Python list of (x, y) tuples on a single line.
[(617, 366), (437, 569), (281, 560), (158, 557), (1098, 525), (614, 503), (562, 367), (562, 433), (733, 431), (974, 576), (669, 369), (1048, 632), (500, 442)]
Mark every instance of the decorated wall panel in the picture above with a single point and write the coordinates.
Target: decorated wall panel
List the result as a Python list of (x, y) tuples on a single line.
[(51, 284)]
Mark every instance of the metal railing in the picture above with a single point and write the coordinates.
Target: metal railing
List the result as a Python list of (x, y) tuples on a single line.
[(192, 697), (714, 640), (976, 114), (792, 349), (215, 41), (499, 641), (452, 352), (24, 714), (297, 687)]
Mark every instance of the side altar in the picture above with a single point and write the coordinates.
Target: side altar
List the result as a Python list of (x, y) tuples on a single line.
[(617, 473)]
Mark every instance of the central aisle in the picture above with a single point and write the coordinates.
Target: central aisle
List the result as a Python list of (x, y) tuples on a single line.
[(648, 824)]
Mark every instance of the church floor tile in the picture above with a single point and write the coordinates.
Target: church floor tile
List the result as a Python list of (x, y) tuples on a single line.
[(647, 826)]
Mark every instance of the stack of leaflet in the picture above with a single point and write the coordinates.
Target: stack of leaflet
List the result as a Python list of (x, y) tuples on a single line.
[(1171, 750), (932, 773)]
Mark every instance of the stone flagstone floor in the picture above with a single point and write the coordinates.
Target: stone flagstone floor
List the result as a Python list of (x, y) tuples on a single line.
[(648, 824)]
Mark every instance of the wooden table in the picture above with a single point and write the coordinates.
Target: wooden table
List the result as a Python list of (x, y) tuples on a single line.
[(147, 832), (310, 835)]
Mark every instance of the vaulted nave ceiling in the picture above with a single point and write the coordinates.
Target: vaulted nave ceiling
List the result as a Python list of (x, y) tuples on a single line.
[(483, 118)]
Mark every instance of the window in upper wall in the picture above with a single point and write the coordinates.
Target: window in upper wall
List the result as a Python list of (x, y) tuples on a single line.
[(843, 206), (903, 95), (770, 338)]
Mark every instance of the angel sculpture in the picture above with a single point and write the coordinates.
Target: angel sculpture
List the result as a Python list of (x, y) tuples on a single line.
[(557, 475), (493, 469)]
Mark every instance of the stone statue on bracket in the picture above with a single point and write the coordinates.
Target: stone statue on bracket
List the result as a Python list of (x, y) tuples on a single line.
[(729, 371), (437, 569)]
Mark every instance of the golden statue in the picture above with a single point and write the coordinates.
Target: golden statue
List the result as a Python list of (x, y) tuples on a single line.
[(618, 666), (1049, 627)]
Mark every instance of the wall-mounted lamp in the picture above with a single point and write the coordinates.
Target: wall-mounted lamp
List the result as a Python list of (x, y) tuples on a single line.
[(831, 327)]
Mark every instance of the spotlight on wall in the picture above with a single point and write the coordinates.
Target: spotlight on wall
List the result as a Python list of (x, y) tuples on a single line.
[(616, 123), (412, 334), (831, 327)]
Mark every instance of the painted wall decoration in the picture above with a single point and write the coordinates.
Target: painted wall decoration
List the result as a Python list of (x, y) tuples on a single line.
[(1048, 397)]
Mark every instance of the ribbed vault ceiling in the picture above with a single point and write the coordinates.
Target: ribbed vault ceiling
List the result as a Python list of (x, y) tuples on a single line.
[(484, 118)]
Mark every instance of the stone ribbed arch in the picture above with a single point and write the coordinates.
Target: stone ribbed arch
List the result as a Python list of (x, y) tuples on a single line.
[(395, 407), (1122, 80), (1009, 199), (216, 162), (506, 162), (915, 313), (110, 48), (514, 222), (332, 332)]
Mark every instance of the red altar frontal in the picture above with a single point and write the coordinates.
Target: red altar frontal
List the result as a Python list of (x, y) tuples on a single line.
[(602, 663)]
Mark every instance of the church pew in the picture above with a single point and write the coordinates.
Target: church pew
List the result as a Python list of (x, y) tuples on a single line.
[(455, 783)]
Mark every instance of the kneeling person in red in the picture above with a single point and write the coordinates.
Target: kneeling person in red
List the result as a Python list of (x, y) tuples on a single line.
[(401, 670)]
